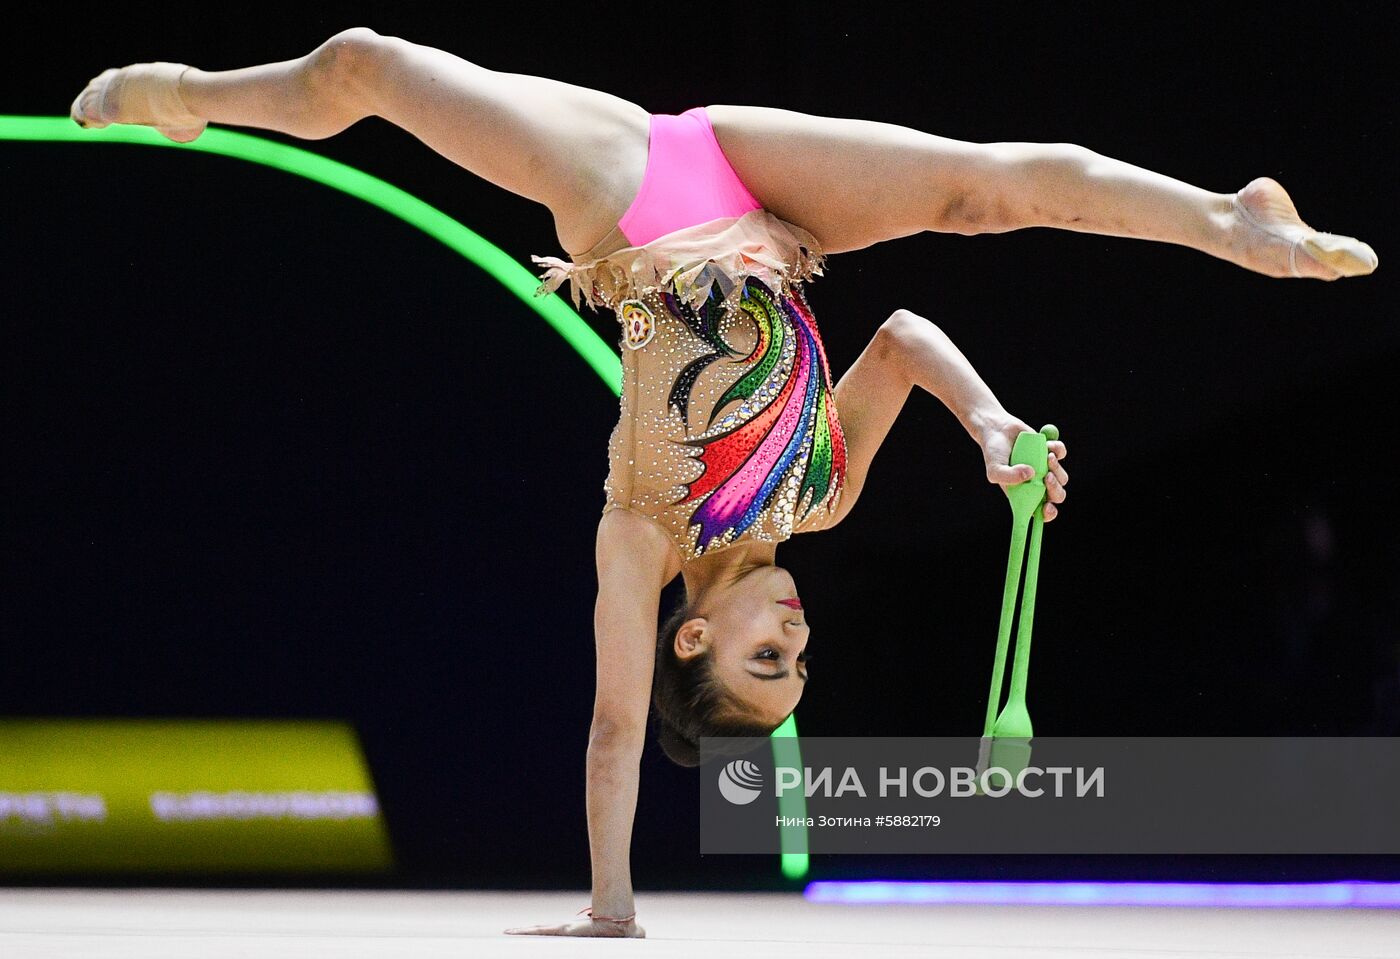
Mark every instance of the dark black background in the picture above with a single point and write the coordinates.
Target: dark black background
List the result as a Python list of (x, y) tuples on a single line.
[(268, 451)]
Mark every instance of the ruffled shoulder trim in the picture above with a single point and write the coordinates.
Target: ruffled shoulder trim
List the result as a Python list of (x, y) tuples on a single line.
[(692, 261)]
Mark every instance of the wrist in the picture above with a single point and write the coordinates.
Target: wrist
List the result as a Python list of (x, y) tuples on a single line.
[(616, 919), (611, 910), (986, 420)]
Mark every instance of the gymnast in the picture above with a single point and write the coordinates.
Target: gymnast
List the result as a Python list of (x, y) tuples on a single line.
[(698, 231)]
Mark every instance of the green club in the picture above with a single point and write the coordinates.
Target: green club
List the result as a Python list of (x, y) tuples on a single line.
[(1006, 737)]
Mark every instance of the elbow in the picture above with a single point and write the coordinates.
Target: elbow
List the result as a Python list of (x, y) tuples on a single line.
[(898, 338), (902, 326)]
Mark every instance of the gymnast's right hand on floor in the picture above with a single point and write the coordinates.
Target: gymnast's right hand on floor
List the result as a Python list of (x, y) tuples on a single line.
[(595, 928)]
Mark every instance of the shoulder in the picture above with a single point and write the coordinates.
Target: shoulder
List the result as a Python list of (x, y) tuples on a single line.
[(628, 541)]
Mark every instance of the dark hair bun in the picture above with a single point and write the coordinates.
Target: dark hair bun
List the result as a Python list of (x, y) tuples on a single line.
[(677, 748)]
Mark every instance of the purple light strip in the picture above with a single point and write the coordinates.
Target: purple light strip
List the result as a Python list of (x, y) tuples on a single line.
[(1334, 895)]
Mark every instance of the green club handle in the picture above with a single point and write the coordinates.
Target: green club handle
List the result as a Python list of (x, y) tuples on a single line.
[(1026, 499), (1015, 719), (1008, 601)]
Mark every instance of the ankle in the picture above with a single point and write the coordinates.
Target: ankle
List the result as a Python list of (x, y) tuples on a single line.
[(1225, 231)]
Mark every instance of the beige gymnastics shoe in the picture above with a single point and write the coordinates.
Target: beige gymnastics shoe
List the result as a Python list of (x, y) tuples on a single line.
[(1272, 221), (142, 93)]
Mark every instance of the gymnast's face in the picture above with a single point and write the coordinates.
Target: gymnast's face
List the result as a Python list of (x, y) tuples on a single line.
[(758, 644)]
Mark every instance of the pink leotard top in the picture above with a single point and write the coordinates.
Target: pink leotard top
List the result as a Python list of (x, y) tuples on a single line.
[(728, 429)]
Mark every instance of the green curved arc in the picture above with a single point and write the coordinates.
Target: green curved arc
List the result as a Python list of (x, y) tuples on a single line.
[(364, 186), (432, 221)]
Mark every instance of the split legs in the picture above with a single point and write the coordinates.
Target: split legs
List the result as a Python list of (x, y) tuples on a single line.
[(853, 183)]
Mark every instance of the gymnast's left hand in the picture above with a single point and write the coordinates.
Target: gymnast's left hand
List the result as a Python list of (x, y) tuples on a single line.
[(997, 439), (586, 927)]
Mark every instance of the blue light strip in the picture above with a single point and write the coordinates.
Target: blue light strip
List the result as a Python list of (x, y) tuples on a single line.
[(1375, 895)]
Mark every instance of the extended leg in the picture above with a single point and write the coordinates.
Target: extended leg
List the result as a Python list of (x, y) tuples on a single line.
[(854, 183), (578, 151)]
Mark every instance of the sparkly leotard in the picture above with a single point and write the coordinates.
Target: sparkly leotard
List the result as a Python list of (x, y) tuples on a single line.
[(728, 428)]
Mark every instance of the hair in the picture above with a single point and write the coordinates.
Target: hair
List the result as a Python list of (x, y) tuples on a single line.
[(689, 700)]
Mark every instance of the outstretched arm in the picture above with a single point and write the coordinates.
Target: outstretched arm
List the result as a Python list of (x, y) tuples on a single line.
[(631, 558), (906, 351)]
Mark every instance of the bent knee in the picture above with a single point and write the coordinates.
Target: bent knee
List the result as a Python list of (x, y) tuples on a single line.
[(348, 57), (339, 80)]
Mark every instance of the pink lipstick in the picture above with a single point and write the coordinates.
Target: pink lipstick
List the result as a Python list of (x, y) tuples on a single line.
[(793, 603)]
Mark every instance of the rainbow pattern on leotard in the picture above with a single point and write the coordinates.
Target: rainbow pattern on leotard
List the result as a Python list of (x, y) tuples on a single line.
[(787, 420)]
